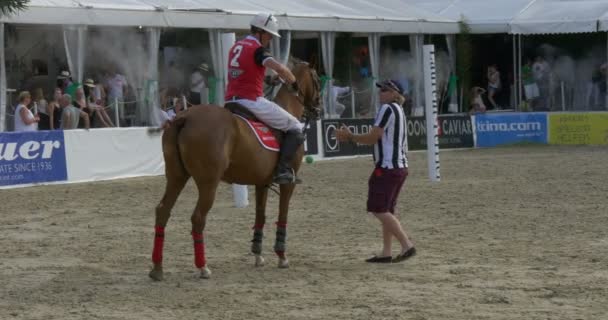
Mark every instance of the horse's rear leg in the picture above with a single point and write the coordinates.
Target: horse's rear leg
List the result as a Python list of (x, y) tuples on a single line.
[(280, 244), (206, 196), (175, 184), (261, 195)]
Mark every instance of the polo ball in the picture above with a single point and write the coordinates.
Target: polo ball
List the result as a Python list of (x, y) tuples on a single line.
[(309, 159)]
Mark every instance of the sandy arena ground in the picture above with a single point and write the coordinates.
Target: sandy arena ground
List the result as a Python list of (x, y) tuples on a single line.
[(513, 233)]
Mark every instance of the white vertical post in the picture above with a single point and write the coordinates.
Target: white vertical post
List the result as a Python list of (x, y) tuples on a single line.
[(35, 108), (515, 94), (116, 116), (563, 96), (320, 149), (520, 96), (432, 139), (3, 93), (185, 102), (352, 100)]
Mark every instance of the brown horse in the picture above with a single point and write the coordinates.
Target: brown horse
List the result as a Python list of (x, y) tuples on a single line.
[(210, 144)]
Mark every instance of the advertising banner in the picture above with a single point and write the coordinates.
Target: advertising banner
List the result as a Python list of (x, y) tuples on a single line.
[(578, 128), (32, 157), (511, 128), (454, 132), (333, 148)]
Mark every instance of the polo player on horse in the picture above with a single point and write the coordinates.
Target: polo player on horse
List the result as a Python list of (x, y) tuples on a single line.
[(248, 60)]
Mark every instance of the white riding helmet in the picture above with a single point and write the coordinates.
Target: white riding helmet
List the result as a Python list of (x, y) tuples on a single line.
[(266, 22)]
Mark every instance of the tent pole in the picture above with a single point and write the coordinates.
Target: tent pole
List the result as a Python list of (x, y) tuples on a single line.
[(520, 96), (514, 94)]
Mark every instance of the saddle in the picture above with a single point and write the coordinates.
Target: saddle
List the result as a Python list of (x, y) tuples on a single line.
[(268, 137)]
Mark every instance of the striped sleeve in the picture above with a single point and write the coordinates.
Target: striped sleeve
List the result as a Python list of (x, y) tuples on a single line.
[(383, 116)]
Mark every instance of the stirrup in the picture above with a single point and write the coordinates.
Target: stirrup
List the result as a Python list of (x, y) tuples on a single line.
[(286, 178)]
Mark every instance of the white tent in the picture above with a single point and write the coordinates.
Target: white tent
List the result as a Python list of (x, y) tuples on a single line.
[(387, 16), (483, 16), (523, 16), (558, 17)]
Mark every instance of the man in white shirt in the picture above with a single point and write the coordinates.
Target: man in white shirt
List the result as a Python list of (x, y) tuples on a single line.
[(198, 85), (117, 87)]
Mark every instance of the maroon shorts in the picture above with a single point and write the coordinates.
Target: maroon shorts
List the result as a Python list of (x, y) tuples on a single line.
[(384, 187)]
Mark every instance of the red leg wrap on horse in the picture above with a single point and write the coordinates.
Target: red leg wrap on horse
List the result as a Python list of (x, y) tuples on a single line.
[(281, 224), (199, 250), (159, 239), (258, 226)]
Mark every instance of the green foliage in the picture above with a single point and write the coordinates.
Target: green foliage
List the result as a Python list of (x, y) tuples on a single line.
[(9, 7), (464, 60)]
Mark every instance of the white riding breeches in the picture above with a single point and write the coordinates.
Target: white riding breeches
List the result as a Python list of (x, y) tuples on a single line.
[(271, 114)]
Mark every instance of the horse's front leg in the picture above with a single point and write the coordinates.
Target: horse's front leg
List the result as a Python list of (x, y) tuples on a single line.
[(261, 195), (280, 244)]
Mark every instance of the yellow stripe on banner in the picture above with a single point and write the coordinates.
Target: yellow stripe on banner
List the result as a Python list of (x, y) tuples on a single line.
[(578, 128)]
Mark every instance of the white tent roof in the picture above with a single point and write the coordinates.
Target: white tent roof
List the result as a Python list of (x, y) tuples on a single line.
[(574, 16), (483, 16), (603, 23), (523, 16), (390, 16)]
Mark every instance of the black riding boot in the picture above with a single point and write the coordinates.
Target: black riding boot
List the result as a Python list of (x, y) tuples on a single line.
[(284, 174)]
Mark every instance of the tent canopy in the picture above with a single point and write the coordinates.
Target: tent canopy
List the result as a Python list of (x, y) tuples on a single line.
[(483, 16), (385, 16), (548, 17)]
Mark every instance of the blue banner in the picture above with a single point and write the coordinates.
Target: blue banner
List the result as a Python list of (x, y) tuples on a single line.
[(510, 128), (31, 157)]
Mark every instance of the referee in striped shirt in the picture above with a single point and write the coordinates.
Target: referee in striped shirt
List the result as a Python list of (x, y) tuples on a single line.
[(388, 137)]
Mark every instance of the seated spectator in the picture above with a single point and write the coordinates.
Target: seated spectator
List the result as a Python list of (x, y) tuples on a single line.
[(178, 107), (198, 85), (71, 115), (42, 106), (54, 110), (530, 87), (25, 120), (98, 112), (79, 101), (64, 80), (477, 104), (336, 93)]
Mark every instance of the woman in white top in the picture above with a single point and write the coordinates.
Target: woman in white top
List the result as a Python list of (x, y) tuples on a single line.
[(494, 84), (25, 120)]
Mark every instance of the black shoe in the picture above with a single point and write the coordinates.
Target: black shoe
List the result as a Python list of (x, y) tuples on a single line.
[(376, 259), (405, 255)]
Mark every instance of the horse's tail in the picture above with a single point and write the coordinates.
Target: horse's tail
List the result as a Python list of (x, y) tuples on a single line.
[(171, 152)]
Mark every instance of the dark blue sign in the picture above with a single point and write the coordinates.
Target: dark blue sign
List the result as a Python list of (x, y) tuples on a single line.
[(510, 128), (31, 157)]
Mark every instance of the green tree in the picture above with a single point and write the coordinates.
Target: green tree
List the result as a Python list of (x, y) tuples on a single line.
[(9, 7)]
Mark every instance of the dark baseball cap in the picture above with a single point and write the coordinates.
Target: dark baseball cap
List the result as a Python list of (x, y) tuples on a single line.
[(391, 84)]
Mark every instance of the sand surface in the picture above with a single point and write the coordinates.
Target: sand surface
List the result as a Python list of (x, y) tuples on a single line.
[(513, 233)]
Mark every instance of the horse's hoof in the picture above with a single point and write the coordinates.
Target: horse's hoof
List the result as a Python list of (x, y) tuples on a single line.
[(259, 261), (205, 273), (156, 275), (283, 263)]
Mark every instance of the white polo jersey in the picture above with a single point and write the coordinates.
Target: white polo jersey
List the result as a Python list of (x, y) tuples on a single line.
[(389, 151)]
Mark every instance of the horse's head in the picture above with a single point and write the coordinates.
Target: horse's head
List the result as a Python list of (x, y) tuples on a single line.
[(307, 88)]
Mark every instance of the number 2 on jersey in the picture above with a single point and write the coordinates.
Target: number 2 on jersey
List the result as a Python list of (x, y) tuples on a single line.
[(237, 53)]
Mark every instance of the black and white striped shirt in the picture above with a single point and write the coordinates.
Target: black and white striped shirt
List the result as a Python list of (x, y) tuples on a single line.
[(389, 151)]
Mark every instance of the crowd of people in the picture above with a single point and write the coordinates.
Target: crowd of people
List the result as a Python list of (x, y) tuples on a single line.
[(72, 105), (99, 101)]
